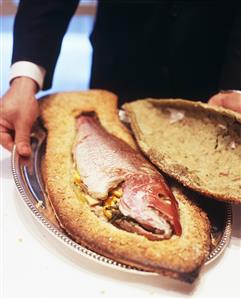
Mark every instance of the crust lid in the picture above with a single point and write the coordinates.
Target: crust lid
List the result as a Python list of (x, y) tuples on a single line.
[(200, 147)]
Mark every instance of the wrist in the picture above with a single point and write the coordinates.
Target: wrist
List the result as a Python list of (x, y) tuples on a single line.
[(25, 84)]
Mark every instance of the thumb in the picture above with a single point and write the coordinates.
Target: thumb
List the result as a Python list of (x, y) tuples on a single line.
[(22, 139)]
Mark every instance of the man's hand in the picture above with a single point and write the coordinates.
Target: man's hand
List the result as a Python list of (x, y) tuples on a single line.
[(230, 100), (18, 111)]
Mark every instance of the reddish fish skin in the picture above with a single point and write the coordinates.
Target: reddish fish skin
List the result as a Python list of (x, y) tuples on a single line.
[(150, 194), (104, 161)]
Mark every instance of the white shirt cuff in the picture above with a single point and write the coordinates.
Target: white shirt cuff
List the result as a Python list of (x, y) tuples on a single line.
[(28, 69)]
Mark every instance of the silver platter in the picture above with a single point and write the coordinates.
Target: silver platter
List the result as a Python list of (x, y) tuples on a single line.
[(29, 182)]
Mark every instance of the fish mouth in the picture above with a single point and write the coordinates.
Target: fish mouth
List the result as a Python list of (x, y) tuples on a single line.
[(131, 225)]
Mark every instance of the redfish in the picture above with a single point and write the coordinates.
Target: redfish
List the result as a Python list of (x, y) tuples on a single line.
[(105, 162)]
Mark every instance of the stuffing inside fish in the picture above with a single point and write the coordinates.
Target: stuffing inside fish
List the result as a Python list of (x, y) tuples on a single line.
[(105, 162)]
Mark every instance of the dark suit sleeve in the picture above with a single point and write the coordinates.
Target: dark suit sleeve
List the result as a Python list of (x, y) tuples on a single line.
[(231, 73), (38, 32)]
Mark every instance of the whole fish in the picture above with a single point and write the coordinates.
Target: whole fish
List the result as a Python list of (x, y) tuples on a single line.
[(106, 162)]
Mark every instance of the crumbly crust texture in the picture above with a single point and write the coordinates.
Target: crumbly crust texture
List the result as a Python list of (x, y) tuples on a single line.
[(201, 149), (179, 257)]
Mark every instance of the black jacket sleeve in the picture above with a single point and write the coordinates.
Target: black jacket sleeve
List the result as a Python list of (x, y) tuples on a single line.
[(38, 32), (231, 73)]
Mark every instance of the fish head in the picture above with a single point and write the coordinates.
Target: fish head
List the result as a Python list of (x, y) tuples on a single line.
[(149, 201)]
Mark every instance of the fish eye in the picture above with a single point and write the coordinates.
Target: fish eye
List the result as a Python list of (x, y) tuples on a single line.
[(164, 198)]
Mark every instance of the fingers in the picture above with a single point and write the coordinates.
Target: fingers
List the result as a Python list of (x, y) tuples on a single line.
[(22, 139), (6, 134), (6, 139), (18, 111), (18, 131), (233, 103), (216, 100), (230, 101)]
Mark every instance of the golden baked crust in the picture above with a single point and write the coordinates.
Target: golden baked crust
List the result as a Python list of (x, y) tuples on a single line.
[(179, 257), (201, 149)]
